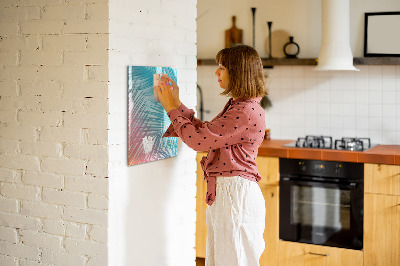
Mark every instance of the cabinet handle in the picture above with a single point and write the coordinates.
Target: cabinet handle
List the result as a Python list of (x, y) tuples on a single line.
[(318, 254)]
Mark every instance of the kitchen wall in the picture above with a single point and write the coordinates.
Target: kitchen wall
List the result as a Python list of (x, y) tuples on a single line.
[(337, 103), (64, 179), (300, 19), (152, 205)]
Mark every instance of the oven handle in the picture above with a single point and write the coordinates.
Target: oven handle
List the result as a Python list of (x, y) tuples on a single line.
[(310, 182)]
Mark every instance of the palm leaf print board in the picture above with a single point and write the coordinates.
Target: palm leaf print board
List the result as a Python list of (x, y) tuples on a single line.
[(147, 119)]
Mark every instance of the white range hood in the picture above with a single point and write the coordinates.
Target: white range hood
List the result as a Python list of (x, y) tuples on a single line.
[(335, 52)]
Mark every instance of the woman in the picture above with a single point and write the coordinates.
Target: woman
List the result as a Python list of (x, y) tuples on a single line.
[(236, 211)]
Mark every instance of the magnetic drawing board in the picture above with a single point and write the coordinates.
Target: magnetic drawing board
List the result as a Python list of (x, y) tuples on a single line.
[(147, 119)]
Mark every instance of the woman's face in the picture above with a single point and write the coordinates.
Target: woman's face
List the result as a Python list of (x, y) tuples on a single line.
[(223, 77)]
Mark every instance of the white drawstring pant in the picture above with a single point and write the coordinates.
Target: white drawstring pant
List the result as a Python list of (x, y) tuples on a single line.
[(235, 223)]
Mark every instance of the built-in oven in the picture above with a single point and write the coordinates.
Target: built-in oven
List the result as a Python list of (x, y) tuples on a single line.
[(321, 202)]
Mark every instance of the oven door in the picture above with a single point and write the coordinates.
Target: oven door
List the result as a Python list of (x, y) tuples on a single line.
[(321, 212)]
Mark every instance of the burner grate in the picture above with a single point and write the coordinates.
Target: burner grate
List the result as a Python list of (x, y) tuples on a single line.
[(322, 142), (353, 144), (326, 142)]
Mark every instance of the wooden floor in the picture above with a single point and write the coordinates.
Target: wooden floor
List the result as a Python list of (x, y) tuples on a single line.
[(200, 262)]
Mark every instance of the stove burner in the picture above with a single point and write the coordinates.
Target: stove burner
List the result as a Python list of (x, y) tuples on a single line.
[(324, 142), (353, 144)]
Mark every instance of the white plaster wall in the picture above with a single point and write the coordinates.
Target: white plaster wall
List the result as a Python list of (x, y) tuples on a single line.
[(152, 205), (53, 132)]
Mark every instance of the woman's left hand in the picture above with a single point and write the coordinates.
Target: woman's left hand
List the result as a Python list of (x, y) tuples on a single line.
[(165, 95)]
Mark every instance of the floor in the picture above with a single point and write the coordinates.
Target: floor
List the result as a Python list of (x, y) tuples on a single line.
[(200, 262)]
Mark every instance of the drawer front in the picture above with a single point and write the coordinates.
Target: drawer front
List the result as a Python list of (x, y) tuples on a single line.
[(299, 254)]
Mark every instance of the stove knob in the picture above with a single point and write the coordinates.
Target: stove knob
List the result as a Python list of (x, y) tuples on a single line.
[(338, 169), (302, 166)]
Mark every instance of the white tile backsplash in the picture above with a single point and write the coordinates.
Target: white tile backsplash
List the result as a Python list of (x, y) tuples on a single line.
[(336, 95), (389, 97), (388, 124), (323, 95), (362, 110), (336, 109), (375, 110), (348, 109), (362, 97), (389, 111), (389, 83), (349, 96), (362, 123), (375, 97), (363, 103)]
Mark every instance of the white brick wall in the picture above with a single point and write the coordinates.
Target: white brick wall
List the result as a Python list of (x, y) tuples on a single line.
[(152, 205), (53, 132), (60, 138)]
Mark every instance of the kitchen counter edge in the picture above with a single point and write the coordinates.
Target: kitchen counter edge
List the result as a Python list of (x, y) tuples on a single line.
[(379, 154)]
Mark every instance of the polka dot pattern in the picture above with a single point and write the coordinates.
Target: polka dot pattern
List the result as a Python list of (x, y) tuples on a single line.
[(232, 139)]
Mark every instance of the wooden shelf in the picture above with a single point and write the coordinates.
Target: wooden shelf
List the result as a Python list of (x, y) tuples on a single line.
[(377, 61), (269, 63), (289, 62)]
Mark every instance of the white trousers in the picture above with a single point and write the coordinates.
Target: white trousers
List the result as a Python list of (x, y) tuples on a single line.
[(235, 223)]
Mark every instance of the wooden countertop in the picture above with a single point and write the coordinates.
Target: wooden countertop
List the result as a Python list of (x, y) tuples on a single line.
[(380, 154)]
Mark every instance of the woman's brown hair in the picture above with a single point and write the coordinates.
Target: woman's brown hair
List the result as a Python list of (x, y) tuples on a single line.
[(245, 69)]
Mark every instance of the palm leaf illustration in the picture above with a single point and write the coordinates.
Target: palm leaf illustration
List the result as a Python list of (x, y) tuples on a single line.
[(147, 118)]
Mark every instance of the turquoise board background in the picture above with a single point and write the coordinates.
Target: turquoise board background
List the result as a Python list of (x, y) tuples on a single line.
[(147, 118)]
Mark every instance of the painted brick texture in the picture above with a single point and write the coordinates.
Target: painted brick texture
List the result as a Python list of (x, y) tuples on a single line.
[(152, 205), (63, 113), (53, 132)]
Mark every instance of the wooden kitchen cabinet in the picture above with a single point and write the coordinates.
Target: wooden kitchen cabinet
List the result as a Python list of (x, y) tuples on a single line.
[(271, 232), (382, 179), (300, 254), (382, 215), (381, 230), (201, 205), (269, 170)]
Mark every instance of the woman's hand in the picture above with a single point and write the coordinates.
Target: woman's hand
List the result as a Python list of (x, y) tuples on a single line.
[(175, 91), (165, 95)]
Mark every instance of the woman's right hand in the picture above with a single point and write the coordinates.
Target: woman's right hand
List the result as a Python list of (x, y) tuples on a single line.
[(175, 91)]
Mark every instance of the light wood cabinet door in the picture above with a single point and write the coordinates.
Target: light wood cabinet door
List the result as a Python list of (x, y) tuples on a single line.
[(201, 205), (268, 167), (299, 254), (271, 232), (382, 179), (381, 230)]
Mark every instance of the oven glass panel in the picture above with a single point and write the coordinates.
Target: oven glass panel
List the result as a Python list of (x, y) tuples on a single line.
[(321, 207)]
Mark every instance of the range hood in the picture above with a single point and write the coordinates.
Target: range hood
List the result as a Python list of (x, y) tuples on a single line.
[(335, 52)]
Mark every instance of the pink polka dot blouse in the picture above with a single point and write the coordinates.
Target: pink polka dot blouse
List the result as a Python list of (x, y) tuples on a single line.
[(232, 139)]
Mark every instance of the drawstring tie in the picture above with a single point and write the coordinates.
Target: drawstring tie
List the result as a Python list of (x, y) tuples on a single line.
[(210, 196)]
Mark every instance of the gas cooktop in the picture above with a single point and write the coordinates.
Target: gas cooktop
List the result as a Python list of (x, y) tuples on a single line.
[(326, 142)]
